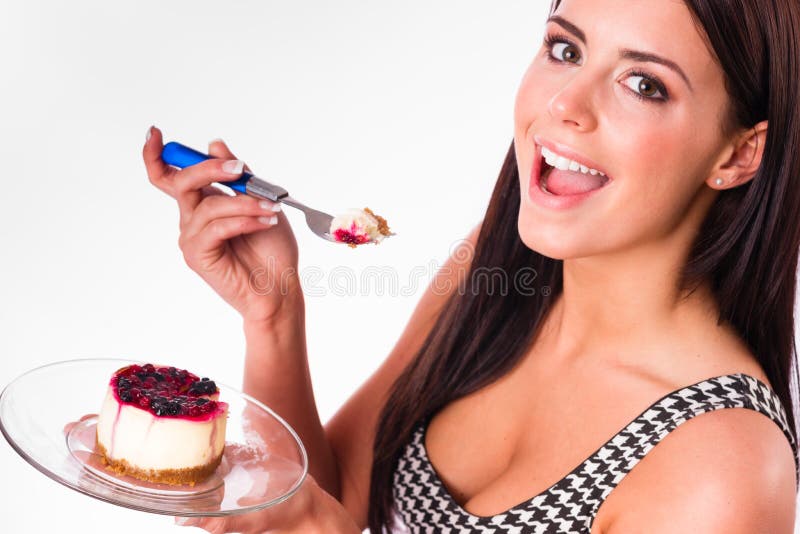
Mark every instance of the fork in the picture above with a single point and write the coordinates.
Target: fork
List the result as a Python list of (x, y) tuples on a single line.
[(319, 222)]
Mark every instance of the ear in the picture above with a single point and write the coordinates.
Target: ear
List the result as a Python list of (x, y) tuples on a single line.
[(744, 159)]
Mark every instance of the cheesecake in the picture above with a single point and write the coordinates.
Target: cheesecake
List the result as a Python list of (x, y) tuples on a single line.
[(356, 227), (161, 424)]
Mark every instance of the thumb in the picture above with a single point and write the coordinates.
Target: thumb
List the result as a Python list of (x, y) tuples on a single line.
[(219, 149)]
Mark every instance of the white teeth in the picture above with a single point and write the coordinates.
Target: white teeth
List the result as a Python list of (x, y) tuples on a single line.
[(562, 163)]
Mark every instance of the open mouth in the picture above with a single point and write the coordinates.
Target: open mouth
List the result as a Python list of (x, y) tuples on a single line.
[(565, 182)]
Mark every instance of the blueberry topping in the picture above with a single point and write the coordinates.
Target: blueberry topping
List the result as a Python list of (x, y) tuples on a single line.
[(204, 387), (165, 391)]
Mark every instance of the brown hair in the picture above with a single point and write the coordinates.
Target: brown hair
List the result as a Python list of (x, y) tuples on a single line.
[(747, 248)]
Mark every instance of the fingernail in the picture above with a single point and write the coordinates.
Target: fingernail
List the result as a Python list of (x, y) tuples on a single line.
[(268, 220), (149, 134), (269, 206), (233, 166), (182, 521), (217, 140)]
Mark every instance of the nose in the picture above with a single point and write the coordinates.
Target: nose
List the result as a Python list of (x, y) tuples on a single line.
[(572, 104)]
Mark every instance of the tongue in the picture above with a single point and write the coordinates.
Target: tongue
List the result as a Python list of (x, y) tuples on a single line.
[(572, 183)]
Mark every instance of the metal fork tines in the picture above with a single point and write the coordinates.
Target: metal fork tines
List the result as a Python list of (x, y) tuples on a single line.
[(319, 222)]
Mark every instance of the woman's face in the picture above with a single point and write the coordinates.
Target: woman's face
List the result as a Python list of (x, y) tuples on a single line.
[(655, 134)]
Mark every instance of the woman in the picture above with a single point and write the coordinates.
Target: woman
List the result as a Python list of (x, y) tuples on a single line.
[(595, 403)]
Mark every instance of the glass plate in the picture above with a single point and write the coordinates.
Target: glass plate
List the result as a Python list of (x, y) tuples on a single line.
[(49, 414)]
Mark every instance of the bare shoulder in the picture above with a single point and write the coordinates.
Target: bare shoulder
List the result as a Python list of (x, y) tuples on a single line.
[(729, 470)]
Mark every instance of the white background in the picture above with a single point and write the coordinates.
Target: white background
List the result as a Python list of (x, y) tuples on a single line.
[(403, 107)]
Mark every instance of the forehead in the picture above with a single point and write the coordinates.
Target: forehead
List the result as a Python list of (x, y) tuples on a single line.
[(662, 27)]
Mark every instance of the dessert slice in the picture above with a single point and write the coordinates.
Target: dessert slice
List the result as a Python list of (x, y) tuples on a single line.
[(356, 227), (162, 424)]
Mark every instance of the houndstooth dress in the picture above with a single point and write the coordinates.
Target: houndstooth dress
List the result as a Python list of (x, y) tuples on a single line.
[(423, 505)]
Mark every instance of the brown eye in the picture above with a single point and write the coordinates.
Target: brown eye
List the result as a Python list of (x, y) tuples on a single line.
[(645, 87), (565, 52)]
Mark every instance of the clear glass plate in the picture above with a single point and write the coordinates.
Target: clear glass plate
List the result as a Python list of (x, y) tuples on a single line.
[(48, 415)]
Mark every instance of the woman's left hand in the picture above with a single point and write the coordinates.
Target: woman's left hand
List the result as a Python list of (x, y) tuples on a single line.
[(310, 510)]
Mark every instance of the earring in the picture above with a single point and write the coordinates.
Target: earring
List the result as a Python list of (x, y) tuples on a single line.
[(719, 181)]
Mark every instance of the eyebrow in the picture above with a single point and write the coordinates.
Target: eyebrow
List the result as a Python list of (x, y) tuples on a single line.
[(625, 53)]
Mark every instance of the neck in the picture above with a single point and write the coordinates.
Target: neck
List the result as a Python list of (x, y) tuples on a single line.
[(626, 301), (622, 303)]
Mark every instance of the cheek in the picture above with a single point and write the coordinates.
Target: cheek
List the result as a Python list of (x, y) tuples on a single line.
[(530, 111), (657, 187), (529, 96)]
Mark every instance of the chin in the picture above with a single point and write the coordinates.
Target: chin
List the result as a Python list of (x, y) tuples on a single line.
[(545, 239)]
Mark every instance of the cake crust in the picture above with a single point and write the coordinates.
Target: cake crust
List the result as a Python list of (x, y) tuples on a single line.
[(175, 477), (383, 226)]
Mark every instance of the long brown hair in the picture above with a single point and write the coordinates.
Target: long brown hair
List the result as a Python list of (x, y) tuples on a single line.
[(747, 248)]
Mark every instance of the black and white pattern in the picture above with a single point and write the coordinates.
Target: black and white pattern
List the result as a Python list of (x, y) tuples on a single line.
[(570, 505)]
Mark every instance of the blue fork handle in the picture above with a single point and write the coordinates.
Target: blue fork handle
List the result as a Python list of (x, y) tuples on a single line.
[(181, 156)]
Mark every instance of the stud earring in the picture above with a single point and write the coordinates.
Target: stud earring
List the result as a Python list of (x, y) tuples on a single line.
[(719, 181)]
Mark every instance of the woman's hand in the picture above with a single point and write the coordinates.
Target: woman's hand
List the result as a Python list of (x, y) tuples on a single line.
[(241, 246), (309, 511)]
